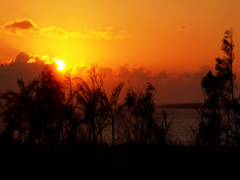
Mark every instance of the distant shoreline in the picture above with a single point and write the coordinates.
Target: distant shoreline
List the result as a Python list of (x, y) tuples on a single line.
[(182, 106)]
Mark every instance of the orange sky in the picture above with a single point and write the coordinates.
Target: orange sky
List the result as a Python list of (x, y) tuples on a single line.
[(168, 36)]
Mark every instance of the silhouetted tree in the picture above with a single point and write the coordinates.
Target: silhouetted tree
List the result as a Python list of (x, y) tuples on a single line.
[(35, 113), (73, 117), (89, 100), (111, 107), (49, 100), (99, 109), (141, 122), (220, 121), (17, 113)]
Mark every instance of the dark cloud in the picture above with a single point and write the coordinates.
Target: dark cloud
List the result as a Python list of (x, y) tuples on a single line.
[(162, 75), (107, 71), (136, 73), (186, 75), (202, 72), (20, 68), (179, 90), (140, 73), (23, 24), (124, 71), (197, 75)]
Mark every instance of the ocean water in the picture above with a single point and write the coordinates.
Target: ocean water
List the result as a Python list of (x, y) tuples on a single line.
[(182, 121), (180, 129)]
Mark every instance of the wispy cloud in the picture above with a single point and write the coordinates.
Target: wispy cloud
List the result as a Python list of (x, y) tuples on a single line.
[(18, 27), (56, 32), (99, 35)]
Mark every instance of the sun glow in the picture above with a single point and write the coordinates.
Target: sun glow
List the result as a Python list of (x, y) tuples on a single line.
[(61, 64)]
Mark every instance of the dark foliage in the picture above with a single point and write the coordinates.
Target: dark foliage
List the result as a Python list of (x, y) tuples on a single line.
[(220, 115), (140, 122)]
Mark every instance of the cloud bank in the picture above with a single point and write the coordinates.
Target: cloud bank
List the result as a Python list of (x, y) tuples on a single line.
[(18, 27), (199, 74), (24, 66), (171, 88)]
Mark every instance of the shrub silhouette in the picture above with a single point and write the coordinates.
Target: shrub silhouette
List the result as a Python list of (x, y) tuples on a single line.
[(35, 114), (220, 120), (141, 123)]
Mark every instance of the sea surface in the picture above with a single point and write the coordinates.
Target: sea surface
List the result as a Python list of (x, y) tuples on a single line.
[(183, 121)]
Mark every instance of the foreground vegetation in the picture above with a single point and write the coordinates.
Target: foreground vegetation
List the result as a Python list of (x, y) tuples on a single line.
[(130, 160), (53, 129)]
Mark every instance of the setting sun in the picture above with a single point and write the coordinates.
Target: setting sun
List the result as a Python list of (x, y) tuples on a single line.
[(61, 64)]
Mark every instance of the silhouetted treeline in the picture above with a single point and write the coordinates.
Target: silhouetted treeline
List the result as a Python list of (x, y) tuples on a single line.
[(48, 123), (51, 113)]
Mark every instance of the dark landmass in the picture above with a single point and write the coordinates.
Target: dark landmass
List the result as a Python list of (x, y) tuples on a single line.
[(130, 161), (182, 106)]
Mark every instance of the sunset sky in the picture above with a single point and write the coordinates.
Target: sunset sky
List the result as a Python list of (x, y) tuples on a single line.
[(171, 43)]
